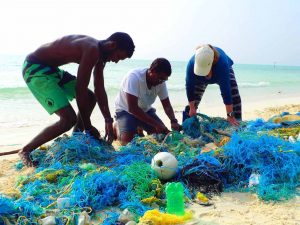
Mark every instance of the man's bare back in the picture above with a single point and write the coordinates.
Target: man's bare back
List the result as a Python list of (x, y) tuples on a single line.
[(68, 49)]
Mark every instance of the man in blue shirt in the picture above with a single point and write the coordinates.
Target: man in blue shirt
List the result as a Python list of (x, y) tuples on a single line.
[(210, 65)]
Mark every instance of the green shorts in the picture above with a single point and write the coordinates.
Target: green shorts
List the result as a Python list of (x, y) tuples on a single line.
[(51, 86)]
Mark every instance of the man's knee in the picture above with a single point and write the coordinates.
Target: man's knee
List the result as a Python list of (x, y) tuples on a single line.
[(68, 117), (67, 122), (126, 137)]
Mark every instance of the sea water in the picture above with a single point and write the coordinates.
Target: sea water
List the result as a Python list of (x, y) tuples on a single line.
[(18, 107)]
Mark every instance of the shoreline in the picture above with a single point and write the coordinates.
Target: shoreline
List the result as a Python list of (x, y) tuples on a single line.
[(251, 110)]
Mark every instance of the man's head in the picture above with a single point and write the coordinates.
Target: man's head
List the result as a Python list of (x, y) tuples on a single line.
[(159, 71), (204, 58), (119, 46)]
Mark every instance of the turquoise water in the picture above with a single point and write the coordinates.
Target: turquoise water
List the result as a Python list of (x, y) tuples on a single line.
[(19, 108)]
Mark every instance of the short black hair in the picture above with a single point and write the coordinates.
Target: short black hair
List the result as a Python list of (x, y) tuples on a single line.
[(124, 42), (161, 65)]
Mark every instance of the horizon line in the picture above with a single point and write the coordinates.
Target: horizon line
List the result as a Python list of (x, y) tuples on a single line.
[(275, 64)]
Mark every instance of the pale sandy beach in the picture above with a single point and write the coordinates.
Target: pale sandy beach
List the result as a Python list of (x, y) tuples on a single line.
[(228, 208)]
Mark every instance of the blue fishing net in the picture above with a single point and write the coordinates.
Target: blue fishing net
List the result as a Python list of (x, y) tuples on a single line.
[(92, 175), (7, 206), (276, 161)]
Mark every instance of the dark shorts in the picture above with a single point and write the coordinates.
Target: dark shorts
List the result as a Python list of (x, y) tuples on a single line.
[(52, 87), (129, 123)]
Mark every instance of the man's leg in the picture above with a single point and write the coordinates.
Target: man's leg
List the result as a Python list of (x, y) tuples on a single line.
[(92, 102), (236, 98), (116, 131), (126, 137), (67, 119), (125, 127)]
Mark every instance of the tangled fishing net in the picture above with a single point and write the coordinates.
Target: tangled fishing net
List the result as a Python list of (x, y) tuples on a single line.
[(79, 178)]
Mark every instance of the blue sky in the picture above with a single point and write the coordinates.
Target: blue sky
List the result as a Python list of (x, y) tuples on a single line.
[(250, 31)]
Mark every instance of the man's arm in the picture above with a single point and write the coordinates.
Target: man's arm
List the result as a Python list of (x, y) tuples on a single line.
[(101, 98), (100, 92), (225, 89), (170, 113), (86, 65), (135, 110), (190, 86)]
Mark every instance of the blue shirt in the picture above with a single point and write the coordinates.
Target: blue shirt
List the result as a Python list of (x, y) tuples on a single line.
[(220, 76)]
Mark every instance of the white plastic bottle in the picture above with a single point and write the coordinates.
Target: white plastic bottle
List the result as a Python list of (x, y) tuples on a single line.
[(253, 180)]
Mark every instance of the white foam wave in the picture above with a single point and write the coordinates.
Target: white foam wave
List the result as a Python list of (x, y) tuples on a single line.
[(180, 87), (15, 124), (254, 84)]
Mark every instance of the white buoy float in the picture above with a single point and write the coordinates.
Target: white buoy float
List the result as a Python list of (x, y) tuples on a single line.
[(165, 165)]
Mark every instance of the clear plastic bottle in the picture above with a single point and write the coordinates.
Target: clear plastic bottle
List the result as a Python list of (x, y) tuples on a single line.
[(253, 180), (292, 139), (175, 198)]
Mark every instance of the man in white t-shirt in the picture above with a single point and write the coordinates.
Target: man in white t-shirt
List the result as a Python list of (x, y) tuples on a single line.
[(139, 89)]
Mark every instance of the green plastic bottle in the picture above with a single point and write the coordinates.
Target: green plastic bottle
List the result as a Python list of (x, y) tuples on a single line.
[(175, 198)]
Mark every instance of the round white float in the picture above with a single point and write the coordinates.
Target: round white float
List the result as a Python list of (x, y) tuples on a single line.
[(165, 165)]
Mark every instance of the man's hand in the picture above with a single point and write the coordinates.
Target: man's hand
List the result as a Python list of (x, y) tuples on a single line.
[(176, 126), (232, 121), (109, 132), (94, 132)]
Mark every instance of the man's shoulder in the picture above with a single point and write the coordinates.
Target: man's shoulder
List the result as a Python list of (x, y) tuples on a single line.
[(134, 76), (222, 53), (137, 72)]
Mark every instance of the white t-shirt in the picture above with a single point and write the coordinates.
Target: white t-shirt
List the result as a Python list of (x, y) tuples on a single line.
[(134, 83)]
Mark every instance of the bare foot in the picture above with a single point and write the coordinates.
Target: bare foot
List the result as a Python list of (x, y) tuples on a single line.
[(25, 157)]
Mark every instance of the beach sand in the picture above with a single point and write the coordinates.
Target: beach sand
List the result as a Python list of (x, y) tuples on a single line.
[(228, 208)]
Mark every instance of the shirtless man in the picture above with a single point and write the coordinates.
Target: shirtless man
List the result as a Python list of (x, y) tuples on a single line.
[(54, 88)]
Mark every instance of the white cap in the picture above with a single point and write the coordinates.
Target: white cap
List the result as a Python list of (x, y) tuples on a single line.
[(204, 58)]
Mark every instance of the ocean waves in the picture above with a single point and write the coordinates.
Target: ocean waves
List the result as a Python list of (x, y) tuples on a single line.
[(254, 84), (23, 92), (181, 87), (14, 92)]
